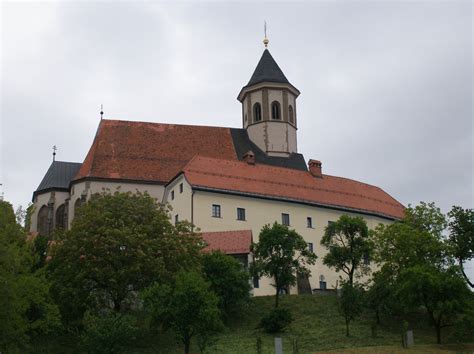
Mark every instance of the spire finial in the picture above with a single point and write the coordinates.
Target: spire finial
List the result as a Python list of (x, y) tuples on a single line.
[(54, 152), (101, 112), (265, 40)]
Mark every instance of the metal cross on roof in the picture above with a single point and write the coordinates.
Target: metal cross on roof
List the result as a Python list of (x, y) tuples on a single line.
[(54, 152)]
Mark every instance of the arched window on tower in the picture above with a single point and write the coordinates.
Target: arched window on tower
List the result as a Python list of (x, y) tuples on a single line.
[(43, 221), (276, 110), (257, 112), (61, 217), (290, 114)]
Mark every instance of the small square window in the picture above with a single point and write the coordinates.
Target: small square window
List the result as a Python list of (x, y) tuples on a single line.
[(180, 188), (241, 214), (285, 219), (309, 222), (176, 219), (216, 211), (256, 282), (172, 195), (310, 247)]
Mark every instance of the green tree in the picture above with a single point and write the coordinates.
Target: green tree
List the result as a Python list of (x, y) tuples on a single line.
[(461, 237), (415, 240), (118, 244), (443, 293), (26, 309), (350, 302), (348, 244), (228, 279), (189, 308), (281, 253)]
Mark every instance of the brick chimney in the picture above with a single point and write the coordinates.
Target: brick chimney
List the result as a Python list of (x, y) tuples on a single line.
[(315, 168), (249, 157)]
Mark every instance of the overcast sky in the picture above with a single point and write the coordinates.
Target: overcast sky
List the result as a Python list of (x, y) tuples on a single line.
[(386, 87)]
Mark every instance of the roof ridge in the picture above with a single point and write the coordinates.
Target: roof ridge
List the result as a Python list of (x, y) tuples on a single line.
[(168, 124)]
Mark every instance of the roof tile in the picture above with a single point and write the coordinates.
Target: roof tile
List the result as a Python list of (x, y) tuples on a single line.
[(228, 242)]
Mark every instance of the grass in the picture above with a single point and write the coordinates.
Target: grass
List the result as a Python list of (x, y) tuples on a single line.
[(318, 327)]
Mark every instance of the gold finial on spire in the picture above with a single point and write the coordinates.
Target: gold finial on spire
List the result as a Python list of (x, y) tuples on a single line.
[(265, 40)]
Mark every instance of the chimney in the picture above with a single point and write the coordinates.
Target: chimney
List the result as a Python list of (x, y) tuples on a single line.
[(315, 168), (249, 157)]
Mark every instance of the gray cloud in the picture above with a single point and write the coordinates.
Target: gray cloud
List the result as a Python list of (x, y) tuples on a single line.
[(386, 86)]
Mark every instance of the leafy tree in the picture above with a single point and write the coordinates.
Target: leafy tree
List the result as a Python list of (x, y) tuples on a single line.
[(415, 240), (228, 279), (26, 309), (189, 309), (108, 333), (281, 253), (443, 293), (118, 244), (380, 296), (461, 237), (351, 302), (348, 243)]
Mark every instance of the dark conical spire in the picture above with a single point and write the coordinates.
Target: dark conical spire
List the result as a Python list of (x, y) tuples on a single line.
[(267, 70)]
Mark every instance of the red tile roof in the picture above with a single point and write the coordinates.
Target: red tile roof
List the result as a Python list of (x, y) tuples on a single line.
[(289, 184), (229, 242), (151, 151)]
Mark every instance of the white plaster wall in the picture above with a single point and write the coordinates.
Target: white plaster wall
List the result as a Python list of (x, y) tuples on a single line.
[(260, 212), (43, 199), (280, 137), (91, 187), (181, 205)]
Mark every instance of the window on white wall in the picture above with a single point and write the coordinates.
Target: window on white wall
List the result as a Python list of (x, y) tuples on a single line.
[(216, 211), (172, 195), (285, 219), (176, 219), (310, 247), (322, 282), (180, 188), (309, 222), (241, 214)]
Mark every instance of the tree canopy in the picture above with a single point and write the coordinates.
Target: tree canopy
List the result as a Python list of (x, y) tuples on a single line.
[(281, 253), (348, 244), (118, 244)]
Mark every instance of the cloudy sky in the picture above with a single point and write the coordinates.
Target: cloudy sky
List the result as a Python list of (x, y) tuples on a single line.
[(386, 87)]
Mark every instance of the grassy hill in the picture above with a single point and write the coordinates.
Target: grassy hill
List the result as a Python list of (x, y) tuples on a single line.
[(318, 326)]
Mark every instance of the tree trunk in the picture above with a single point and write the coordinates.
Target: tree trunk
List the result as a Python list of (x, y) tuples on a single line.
[(377, 316), (187, 345), (276, 297), (117, 305), (347, 327), (438, 333)]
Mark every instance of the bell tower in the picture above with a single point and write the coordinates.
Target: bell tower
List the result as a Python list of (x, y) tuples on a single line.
[(269, 108)]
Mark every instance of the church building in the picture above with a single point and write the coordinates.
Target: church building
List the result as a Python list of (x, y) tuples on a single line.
[(228, 182)]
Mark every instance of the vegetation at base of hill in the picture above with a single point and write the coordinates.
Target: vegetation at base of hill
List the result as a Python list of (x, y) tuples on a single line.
[(317, 326), (124, 279)]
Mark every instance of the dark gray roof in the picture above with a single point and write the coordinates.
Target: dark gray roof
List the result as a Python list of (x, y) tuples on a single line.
[(267, 70), (58, 176), (242, 144)]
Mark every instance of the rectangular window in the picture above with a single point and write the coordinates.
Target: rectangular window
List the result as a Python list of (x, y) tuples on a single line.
[(176, 219), (180, 188), (216, 211), (241, 214), (285, 219), (256, 282), (366, 259), (309, 222), (172, 195), (310, 247), (322, 285)]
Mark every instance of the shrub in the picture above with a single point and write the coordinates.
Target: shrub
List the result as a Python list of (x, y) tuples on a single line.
[(112, 333), (276, 321)]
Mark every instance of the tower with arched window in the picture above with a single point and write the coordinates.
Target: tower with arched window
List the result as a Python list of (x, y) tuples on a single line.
[(269, 108)]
